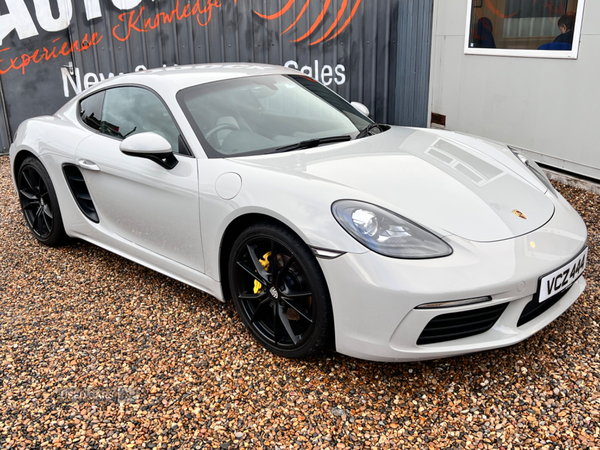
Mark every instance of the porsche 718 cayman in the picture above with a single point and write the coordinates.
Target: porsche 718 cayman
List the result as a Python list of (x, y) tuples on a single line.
[(258, 184)]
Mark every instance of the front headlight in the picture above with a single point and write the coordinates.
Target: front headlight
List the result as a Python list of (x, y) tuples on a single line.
[(531, 165), (387, 233)]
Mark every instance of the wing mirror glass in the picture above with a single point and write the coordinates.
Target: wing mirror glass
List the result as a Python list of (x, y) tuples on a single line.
[(151, 146), (361, 108)]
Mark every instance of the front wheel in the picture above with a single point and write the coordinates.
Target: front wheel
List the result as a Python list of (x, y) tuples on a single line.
[(279, 291), (39, 203)]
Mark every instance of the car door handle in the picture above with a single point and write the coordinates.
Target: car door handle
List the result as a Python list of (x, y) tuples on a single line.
[(88, 165)]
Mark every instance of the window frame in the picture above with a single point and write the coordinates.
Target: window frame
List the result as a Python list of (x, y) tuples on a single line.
[(98, 91), (572, 54)]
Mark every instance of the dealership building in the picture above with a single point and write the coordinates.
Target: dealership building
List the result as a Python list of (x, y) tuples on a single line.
[(518, 71)]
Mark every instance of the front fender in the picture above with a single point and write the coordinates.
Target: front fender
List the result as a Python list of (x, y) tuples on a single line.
[(302, 204)]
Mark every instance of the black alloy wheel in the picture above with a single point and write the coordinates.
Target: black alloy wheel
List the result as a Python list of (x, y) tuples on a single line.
[(39, 203), (279, 291)]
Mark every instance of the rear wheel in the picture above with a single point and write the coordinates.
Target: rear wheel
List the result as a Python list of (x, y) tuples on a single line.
[(279, 291), (39, 203)]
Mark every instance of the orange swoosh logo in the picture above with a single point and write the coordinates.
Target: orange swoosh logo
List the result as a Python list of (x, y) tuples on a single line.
[(331, 31)]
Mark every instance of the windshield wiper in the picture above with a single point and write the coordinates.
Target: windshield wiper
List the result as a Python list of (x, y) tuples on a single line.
[(366, 130), (314, 143)]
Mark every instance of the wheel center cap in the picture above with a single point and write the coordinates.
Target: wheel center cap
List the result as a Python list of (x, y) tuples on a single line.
[(274, 292)]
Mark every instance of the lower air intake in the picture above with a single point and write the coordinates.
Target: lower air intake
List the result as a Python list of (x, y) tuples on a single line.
[(534, 308), (448, 327)]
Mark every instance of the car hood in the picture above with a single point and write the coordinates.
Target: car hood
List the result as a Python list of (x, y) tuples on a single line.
[(451, 183)]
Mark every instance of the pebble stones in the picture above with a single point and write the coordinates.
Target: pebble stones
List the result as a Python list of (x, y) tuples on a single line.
[(99, 352)]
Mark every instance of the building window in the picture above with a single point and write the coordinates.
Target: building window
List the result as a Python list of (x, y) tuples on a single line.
[(530, 28)]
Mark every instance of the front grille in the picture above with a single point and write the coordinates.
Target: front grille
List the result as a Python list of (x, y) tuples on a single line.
[(534, 308), (448, 327)]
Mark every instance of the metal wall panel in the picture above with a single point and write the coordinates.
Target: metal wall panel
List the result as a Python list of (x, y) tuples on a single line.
[(414, 55), (29, 89), (372, 51)]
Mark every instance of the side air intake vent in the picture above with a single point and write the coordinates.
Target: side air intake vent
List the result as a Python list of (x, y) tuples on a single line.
[(80, 192)]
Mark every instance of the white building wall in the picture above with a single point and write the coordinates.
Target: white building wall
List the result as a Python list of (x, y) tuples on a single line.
[(550, 107)]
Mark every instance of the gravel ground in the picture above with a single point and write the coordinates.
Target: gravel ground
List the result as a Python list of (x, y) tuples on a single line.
[(99, 352)]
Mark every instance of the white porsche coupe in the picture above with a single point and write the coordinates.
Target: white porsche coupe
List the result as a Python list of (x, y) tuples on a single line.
[(258, 184)]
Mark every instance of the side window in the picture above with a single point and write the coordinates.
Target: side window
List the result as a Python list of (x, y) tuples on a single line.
[(132, 110), (90, 110)]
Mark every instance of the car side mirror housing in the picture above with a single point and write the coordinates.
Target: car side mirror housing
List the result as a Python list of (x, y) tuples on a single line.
[(361, 108), (151, 146)]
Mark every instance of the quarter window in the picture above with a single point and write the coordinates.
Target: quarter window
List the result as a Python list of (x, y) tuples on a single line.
[(541, 28), (90, 110), (131, 110)]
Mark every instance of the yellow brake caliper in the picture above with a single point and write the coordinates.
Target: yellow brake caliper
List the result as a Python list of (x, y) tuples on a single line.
[(265, 263)]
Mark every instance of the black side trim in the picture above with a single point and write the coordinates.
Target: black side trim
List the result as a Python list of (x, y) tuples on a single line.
[(165, 160), (80, 192), (448, 327)]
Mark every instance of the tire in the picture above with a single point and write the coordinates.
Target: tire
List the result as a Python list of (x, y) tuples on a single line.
[(283, 301), (39, 203)]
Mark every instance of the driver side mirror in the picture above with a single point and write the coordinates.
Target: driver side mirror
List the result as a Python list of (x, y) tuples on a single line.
[(151, 146), (361, 108)]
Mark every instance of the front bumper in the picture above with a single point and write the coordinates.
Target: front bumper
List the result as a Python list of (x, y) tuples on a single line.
[(374, 297)]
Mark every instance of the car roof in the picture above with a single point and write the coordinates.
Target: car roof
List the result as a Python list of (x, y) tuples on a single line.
[(181, 77)]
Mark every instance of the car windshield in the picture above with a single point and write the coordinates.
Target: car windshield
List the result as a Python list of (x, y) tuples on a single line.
[(261, 114)]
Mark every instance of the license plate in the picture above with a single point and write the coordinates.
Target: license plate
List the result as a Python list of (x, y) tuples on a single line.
[(562, 279)]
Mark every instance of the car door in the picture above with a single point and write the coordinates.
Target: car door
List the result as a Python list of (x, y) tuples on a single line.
[(136, 198)]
